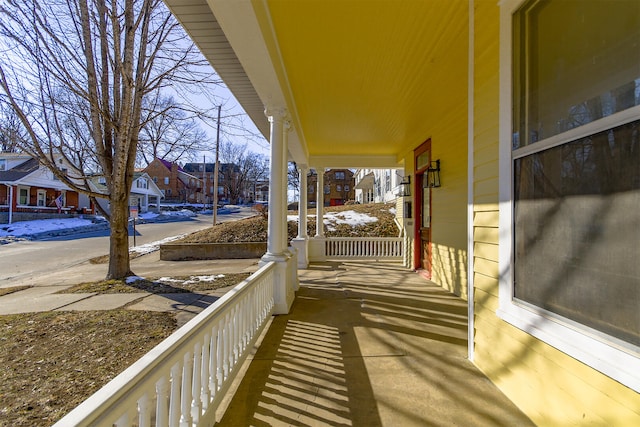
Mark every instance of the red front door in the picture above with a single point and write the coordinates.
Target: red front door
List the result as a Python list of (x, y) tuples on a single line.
[(422, 236)]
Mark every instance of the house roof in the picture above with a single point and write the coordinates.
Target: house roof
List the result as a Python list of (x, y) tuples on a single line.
[(168, 164), (194, 168), (361, 91), (20, 171)]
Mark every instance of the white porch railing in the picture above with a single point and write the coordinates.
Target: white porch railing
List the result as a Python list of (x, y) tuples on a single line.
[(182, 381), (391, 248)]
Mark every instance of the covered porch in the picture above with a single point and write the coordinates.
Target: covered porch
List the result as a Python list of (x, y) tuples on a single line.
[(367, 344)]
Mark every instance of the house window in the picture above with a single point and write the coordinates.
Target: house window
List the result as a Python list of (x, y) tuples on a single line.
[(166, 180), (42, 198), (327, 189), (23, 196), (339, 175), (168, 192), (346, 188), (573, 278), (339, 188), (141, 183), (155, 179), (3, 164)]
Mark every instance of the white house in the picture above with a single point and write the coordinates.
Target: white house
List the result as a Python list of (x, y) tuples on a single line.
[(143, 192)]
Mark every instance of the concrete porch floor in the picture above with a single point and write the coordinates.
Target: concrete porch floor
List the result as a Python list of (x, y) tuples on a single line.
[(368, 344)]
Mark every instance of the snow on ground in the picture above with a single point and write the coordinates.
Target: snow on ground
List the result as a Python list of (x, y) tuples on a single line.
[(331, 219), (22, 228), (26, 228), (192, 279), (154, 246)]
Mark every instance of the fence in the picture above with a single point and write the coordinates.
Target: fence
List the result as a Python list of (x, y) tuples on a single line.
[(391, 248), (182, 380)]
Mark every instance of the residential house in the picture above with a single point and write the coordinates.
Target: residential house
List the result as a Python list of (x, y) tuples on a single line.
[(144, 196), (378, 185), (231, 189), (531, 216), (260, 191), (27, 187), (171, 179), (338, 187)]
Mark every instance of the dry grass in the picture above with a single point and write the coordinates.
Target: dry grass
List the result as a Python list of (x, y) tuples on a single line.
[(53, 361), (172, 285), (254, 229), (7, 291)]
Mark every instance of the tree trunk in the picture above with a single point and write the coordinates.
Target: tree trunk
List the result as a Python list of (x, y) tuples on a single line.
[(119, 266)]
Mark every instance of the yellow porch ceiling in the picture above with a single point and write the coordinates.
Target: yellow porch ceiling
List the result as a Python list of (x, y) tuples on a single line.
[(365, 76)]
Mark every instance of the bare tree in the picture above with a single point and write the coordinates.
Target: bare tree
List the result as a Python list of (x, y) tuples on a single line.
[(11, 130), (293, 178), (243, 168), (72, 63), (169, 132)]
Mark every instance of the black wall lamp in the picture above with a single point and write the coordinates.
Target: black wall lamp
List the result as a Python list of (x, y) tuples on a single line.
[(405, 186), (432, 177)]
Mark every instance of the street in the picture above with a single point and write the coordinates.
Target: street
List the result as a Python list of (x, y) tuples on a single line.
[(26, 260)]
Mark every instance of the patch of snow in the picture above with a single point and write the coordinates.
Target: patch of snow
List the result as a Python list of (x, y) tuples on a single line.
[(392, 210), (154, 246), (331, 219), (133, 279), (183, 212), (22, 228), (352, 218), (192, 279)]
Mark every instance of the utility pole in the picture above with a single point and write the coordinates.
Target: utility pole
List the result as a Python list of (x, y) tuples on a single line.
[(204, 181), (216, 171)]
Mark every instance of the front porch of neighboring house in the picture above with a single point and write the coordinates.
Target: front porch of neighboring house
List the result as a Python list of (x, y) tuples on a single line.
[(27, 202)]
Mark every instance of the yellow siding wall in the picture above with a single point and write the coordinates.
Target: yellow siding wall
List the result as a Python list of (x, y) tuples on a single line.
[(448, 125), (445, 119), (552, 388)]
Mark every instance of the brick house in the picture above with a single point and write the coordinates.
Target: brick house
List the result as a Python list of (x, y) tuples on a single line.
[(338, 187), (171, 179)]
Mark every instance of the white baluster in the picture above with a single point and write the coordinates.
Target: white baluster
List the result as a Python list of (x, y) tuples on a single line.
[(220, 355), (196, 389), (162, 410), (174, 398), (185, 398), (144, 411), (205, 380)]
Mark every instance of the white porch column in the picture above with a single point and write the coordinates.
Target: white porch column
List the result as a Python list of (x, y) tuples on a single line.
[(320, 203), (301, 242), (317, 251), (277, 220), (302, 202), (277, 184)]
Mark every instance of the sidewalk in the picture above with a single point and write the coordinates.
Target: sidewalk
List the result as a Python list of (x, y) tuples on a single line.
[(43, 296)]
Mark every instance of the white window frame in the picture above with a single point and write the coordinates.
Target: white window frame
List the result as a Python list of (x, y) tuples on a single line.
[(28, 190), (609, 355), (41, 197)]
